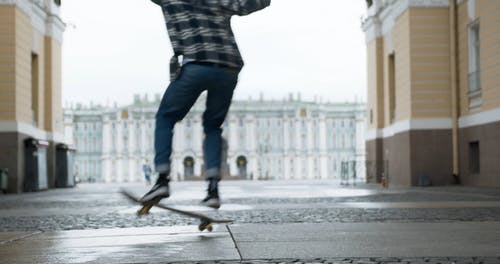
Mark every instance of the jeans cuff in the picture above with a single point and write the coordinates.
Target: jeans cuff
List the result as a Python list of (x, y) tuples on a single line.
[(163, 168), (213, 173)]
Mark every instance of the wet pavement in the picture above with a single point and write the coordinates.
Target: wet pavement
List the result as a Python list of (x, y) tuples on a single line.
[(275, 222)]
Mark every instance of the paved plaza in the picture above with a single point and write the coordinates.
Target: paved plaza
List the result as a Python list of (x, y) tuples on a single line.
[(275, 222)]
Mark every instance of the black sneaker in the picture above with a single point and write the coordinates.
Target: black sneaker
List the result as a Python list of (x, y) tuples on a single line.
[(159, 191), (212, 200)]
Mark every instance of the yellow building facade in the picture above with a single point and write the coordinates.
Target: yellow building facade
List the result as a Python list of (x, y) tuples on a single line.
[(30, 83), (434, 91)]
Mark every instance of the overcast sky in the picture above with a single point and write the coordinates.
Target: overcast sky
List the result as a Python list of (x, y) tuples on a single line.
[(316, 47)]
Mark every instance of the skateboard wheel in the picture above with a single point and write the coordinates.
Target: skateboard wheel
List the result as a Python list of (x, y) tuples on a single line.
[(144, 210), (205, 225)]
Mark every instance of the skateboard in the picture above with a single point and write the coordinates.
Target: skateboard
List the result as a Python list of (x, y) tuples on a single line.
[(205, 221)]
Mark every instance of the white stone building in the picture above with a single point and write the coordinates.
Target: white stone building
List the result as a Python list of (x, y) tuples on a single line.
[(274, 140)]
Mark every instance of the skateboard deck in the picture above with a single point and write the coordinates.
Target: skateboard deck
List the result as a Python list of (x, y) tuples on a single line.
[(205, 221)]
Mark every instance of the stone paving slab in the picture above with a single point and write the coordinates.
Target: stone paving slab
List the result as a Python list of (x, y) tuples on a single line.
[(423, 260), (34, 212), (135, 245), (6, 237), (308, 241), (374, 243)]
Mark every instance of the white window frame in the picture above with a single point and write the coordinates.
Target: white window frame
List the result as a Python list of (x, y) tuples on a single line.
[(474, 76)]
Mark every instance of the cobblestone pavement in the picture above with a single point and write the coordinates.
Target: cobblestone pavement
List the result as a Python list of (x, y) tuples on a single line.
[(101, 206), (312, 215), (86, 200), (450, 260)]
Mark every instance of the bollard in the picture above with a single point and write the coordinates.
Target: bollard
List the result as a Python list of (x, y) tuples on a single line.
[(4, 180)]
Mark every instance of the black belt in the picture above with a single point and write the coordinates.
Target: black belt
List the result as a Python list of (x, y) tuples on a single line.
[(213, 64)]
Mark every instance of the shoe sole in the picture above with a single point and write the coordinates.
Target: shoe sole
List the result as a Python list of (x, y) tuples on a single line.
[(212, 205), (154, 199)]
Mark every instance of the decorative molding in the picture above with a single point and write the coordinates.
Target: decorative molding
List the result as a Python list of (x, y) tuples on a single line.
[(24, 5), (55, 27), (29, 130), (38, 17), (373, 134), (380, 21), (372, 28), (409, 125), (20, 127), (42, 17), (482, 118)]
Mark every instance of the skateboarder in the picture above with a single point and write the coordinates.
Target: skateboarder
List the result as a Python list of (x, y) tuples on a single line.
[(206, 58), (147, 172)]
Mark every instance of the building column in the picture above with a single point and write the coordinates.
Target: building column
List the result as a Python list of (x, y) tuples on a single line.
[(360, 145), (323, 148)]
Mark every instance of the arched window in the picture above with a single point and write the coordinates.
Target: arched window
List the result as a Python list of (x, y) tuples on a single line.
[(188, 167), (241, 163)]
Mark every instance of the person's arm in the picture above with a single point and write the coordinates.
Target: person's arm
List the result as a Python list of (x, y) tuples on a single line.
[(234, 7)]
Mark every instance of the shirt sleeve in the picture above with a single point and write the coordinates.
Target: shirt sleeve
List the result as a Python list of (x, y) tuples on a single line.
[(234, 7)]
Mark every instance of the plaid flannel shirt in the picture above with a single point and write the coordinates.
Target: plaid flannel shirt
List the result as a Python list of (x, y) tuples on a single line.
[(200, 30)]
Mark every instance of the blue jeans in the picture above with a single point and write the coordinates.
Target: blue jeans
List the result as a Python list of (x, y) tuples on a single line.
[(219, 82)]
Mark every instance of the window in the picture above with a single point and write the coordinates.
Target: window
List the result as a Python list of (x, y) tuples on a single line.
[(315, 138), (474, 158), (474, 66), (392, 88), (34, 88), (113, 144)]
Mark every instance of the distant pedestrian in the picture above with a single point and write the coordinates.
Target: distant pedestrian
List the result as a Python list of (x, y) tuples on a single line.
[(147, 173), (206, 58)]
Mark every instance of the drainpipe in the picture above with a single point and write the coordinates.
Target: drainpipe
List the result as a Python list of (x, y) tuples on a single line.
[(454, 87)]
